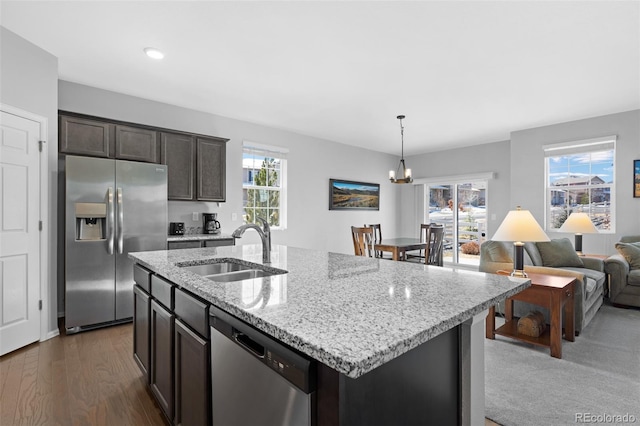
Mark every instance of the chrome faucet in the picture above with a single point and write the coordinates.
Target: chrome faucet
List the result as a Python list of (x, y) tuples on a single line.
[(265, 236)]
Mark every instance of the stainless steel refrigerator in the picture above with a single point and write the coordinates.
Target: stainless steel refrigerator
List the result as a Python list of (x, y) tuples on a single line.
[(113, 207)]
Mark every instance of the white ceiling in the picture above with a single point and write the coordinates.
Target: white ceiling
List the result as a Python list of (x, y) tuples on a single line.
[(463, 72)]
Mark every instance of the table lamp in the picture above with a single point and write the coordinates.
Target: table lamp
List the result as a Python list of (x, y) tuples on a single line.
[(519, 226), (578, 223)]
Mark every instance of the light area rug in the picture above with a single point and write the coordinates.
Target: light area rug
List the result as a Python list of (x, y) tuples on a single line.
[(597, 379)]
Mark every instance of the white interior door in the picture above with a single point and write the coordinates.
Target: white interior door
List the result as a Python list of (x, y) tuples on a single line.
[(19, 232)]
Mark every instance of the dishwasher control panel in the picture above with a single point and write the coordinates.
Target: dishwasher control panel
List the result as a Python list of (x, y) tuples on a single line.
[(295, 374)]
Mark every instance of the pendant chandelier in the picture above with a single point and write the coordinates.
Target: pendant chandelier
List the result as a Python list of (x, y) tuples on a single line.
[(402, 174)]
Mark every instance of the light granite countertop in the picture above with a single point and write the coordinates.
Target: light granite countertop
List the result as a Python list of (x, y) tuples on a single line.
[(351, 313), (199, 237)]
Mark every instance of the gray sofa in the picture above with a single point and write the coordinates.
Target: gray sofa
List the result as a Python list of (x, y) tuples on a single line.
[(624, 279), (550, 258)]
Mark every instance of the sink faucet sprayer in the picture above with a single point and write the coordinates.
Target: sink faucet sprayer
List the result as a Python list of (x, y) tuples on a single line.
[(265, 236)]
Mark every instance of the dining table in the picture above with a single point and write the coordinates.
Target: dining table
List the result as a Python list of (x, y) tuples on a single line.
[(398, 247)]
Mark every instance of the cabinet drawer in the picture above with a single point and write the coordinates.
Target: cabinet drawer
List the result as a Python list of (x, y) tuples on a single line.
[(219, 243), (192, 311), (162, 290), (183, 244), (142, 277)]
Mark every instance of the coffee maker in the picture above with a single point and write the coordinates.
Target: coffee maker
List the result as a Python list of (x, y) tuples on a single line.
[(209, 223)]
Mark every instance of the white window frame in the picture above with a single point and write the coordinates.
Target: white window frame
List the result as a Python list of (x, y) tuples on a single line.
[(272, 152), (585, 146), (454, 181)]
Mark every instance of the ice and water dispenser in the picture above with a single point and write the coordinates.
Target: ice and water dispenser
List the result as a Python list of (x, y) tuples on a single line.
[(91, 221)]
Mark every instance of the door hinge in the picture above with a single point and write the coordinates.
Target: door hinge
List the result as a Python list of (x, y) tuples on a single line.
[(39, 305), (40, 143), (39, 225)]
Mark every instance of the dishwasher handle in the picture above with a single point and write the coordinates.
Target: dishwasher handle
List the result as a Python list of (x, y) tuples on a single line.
[(253, 347)]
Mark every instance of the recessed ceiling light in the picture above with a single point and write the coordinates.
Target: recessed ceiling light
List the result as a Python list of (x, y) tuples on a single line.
[(153, 53)]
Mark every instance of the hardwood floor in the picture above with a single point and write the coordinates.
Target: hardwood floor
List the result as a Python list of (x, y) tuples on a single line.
[(87, 378)]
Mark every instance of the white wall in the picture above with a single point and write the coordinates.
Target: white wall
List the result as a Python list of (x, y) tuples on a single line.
[(29, 81), (311, 162), (527, 171), (490, 157)]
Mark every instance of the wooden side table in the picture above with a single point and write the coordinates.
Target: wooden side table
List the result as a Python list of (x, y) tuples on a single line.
[(549, 291)]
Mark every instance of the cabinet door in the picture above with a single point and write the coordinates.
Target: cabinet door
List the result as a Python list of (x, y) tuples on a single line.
[(193, 390), (141, 327), (211, 169), (85, 137), (137, 144), (162, 384), (179, 154)]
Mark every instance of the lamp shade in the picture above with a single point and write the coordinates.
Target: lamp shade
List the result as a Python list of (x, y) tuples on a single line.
[(520, 225), (579, 223)]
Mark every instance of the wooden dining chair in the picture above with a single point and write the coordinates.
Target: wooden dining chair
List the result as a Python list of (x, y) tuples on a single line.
[(377, 237), (362, 241), (435, 241), (419, 255)]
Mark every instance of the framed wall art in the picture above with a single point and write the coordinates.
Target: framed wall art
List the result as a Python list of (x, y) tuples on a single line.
[(636, 178), (352, 195)]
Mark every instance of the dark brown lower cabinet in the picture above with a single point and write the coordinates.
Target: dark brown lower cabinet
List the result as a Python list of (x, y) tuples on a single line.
[(162, 362), (141, 314), (193, 391)]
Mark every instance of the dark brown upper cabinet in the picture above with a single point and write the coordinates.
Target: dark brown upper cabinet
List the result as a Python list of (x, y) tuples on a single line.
[(137, 144), (211, 169), (85, 137), (196, 164), (179, 154)]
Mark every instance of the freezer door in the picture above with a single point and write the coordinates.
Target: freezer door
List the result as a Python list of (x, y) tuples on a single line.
[(89, 268), (141, 222)]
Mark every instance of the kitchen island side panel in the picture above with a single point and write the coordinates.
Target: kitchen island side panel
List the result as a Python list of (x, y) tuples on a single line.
[(421, 387)]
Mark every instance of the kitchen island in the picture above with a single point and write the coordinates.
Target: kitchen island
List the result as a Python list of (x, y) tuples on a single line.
[(394, 341)]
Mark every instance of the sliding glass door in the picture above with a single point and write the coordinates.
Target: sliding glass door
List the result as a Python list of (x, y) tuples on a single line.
[(461, 208)]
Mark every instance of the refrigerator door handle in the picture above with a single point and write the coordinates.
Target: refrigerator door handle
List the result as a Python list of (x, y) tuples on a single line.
[(120, 222), (110, 221)]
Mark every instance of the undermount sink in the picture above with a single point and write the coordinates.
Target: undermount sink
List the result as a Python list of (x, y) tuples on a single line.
[(217, 268), (227, 271), (241, 275)]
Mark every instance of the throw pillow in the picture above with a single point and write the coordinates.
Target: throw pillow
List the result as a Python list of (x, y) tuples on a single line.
[(497, 251), (631, 252), (558, 253)]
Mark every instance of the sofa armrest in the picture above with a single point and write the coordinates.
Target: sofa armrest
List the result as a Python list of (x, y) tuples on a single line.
[(593, 263), (618, 269), (493, 267)]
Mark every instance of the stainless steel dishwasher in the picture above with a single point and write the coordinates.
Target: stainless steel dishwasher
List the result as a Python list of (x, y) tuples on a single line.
[(256, 380)]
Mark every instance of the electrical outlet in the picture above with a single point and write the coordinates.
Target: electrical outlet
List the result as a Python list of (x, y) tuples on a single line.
[(194, 216), (234, 216)]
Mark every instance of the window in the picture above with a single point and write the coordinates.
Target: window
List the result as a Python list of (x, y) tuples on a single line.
[(580, 178), (263, 184)]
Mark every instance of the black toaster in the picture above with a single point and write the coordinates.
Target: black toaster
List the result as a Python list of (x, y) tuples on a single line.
[(176, 228)]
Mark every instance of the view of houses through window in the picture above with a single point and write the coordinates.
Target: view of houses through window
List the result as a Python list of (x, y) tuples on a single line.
[(263, 184), (461, 208), (580, 178)]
